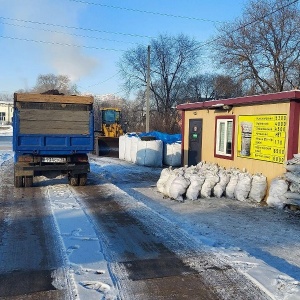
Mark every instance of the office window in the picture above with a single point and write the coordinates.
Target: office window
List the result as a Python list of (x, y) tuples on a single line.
[(224, 137), (2, 116)]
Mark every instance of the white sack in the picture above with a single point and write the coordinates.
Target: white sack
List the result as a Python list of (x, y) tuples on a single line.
[(122, 145), (168, 184), (293, 168), (294, 187), (164, 176), (210, 181), (229, 191), (277, 190), (172, 154), (292, 201), (292, 177), (220, 187), (276, 201), (195, 186), (178, 187), (134, 148), (243, 186), (291, 195), (149, 153), (258, 187)]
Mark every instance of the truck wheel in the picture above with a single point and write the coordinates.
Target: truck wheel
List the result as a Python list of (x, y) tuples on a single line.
[(82, 179), (18, 181), (73, 180), (29, 181)]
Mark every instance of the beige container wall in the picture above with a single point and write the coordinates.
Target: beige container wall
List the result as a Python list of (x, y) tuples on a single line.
[(269, 169)]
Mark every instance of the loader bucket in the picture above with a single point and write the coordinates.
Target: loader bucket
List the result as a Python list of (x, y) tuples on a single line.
[(108, 146)]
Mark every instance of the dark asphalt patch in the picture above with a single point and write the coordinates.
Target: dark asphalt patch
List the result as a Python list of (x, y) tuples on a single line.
[(156, 268), (25, 282)]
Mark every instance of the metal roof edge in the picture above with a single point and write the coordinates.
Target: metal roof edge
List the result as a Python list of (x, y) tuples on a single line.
[(241, 101)]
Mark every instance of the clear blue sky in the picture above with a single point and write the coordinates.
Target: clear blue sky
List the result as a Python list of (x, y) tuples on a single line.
[(36, 47)]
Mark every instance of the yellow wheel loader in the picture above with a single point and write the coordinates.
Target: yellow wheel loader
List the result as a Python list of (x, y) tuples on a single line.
[(107, 139)]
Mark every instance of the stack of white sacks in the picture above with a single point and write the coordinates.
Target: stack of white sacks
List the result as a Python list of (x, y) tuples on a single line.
[(149, 153), (206, 180), (286, 189)]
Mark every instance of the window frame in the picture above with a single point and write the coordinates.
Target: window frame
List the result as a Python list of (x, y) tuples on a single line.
[(216, 140)]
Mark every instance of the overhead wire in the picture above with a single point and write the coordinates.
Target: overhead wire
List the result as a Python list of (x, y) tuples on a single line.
[(120, 33), (77, 28), (68, 33), (60, 44), (148, 12), (103, 81)]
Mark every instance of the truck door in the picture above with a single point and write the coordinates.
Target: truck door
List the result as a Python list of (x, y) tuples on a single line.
[(195, 142)]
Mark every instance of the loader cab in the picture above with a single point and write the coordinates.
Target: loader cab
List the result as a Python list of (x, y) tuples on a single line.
[(111, 116)]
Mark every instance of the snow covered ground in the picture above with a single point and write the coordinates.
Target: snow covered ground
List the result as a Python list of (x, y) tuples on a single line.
[(261, 242)]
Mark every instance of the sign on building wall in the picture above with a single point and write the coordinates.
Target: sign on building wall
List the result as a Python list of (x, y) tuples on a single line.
[(262, 137)]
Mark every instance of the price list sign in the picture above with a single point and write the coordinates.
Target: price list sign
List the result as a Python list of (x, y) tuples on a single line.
[(262, 137)]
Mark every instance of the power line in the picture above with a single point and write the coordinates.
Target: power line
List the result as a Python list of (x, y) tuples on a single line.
[(103, 81), (73, 34), (147, 12), (77, 28), (60, 44)]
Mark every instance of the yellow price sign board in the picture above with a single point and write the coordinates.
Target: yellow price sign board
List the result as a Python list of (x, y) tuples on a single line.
[(262, 137)]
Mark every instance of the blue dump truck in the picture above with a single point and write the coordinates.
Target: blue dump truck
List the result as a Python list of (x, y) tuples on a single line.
[(52, 135)]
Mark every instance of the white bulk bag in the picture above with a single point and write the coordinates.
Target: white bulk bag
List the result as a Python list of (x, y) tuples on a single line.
[(122, 145), (149, 153), (128, 148), (258, 187), (172, 154), (133, 148)]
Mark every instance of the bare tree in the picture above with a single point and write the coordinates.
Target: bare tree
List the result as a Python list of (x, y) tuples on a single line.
[(173, 59), (225, 86), (203, 87), (6, 98), (199, 88), (61, 83), (262, 48)]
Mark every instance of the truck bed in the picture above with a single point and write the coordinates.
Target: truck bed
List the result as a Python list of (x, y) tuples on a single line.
[(56, 125)]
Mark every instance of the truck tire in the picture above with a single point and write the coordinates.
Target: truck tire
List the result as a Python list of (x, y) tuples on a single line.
[(18, 181), (82, 179), (29, 181), (73, 180)]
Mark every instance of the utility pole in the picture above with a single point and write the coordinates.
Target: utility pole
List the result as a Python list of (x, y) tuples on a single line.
[(148, 92)]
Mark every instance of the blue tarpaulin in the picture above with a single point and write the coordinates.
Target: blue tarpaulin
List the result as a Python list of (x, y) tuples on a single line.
[(164, 137)]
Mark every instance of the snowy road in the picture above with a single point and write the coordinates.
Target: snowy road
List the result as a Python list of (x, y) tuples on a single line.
[(117, 238), (30, 256)]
